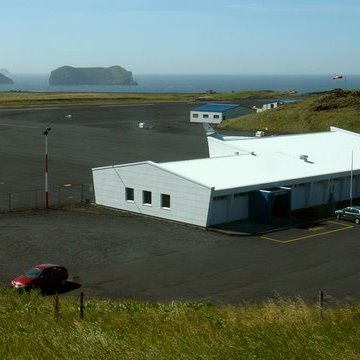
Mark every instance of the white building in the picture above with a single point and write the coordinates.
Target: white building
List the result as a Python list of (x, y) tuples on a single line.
[(269, 106), (259, 178), (213, 113)]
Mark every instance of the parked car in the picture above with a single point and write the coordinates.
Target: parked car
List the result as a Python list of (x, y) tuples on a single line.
[(351, 213), (44, 276)]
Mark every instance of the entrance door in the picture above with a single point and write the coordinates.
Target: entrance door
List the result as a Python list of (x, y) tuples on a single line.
[(270, 205)]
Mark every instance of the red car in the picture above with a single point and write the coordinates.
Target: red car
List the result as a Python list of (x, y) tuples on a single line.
[(43, 276)]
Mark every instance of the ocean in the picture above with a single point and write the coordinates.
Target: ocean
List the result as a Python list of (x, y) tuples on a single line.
[(194, 83)]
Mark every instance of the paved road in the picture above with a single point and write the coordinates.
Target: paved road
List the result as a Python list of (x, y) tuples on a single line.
[(131, 256)]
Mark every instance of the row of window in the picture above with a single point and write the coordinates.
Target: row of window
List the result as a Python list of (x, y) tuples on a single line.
[(206, 116), (147, 198)]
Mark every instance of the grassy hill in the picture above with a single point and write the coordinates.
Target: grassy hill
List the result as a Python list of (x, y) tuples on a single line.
[(30, 329), (317, 112)]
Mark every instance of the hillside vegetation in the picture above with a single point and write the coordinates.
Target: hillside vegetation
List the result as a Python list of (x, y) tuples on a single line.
[(53, 98), (315, 113), (32, 329)]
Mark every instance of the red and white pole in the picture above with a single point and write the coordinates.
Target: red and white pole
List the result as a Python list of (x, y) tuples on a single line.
[(46, 132)]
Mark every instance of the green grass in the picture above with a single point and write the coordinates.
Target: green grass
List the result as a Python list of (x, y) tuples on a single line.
[(135, 330), (315, 113), (244, 95), (35, 99)]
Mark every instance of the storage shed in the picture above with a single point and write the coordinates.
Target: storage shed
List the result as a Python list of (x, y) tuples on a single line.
[(213, 113), (258, 178)]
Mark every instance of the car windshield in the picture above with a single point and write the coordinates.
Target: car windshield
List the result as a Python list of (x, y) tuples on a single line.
[(33, 273)]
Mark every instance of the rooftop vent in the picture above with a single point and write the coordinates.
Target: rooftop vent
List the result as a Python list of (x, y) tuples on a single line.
[(304, 157)]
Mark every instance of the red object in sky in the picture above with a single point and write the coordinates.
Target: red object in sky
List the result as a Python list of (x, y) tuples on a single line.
[(338, 77)]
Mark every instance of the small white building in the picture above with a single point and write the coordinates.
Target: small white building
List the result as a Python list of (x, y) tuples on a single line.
[(259, 178), (213, 113), (269, 106), (274, 105)]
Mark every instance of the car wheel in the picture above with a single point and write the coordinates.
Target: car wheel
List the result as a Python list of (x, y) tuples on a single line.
[(357, 221)]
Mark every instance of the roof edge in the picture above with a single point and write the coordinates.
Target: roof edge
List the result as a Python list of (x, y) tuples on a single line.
[(159, 166), (336, 129), (122, 165), (151, 163)]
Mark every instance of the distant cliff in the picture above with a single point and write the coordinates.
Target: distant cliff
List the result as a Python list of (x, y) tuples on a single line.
[(5, 72), (5, 80), (114, 75)]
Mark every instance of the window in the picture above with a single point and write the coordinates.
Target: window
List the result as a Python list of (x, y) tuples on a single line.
[(195, 115), (165, 201), (205, 116), (129, 194), (146, 197), (216, 116)]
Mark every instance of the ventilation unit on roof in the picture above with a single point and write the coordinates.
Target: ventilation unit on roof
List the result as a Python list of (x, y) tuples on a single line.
[(304, 157)]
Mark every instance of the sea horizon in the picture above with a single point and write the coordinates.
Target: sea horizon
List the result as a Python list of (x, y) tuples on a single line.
[(195, 83)]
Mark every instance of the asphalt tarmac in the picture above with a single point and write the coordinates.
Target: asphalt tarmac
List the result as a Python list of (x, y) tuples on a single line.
[(119, 255), (93, 136)]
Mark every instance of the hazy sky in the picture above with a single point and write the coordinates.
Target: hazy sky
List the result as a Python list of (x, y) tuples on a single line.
[(182, 36)]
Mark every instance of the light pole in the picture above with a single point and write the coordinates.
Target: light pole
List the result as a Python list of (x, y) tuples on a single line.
[(46, 132)]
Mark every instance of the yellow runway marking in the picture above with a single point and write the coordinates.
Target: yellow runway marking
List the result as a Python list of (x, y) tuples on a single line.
[(343, 227)]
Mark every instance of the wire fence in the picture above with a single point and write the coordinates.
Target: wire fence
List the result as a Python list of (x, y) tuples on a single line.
[(35, 199)]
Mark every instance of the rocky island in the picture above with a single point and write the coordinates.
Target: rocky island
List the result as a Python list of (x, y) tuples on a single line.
[(4, 80), (114, 75)]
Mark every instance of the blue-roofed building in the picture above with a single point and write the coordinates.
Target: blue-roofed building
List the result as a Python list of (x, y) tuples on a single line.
[(213, 113)]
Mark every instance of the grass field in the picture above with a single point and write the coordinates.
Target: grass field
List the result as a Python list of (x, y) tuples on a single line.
[(31, 329), (35, 99), (315, 113)]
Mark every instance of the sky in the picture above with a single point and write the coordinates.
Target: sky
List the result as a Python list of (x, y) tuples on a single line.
[(182, 36)]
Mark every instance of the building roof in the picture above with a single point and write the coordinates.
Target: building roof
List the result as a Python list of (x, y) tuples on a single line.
[(274, 160), (215, 107), (271, 161)]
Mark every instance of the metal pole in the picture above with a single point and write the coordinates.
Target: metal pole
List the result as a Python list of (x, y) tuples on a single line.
[(46, 132), (351, 176)]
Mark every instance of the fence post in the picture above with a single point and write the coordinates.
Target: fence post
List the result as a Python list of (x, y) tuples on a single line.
[(56, 306), (59, 196), (321, 303), (82, 194), (36, 200), (81, 305)]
